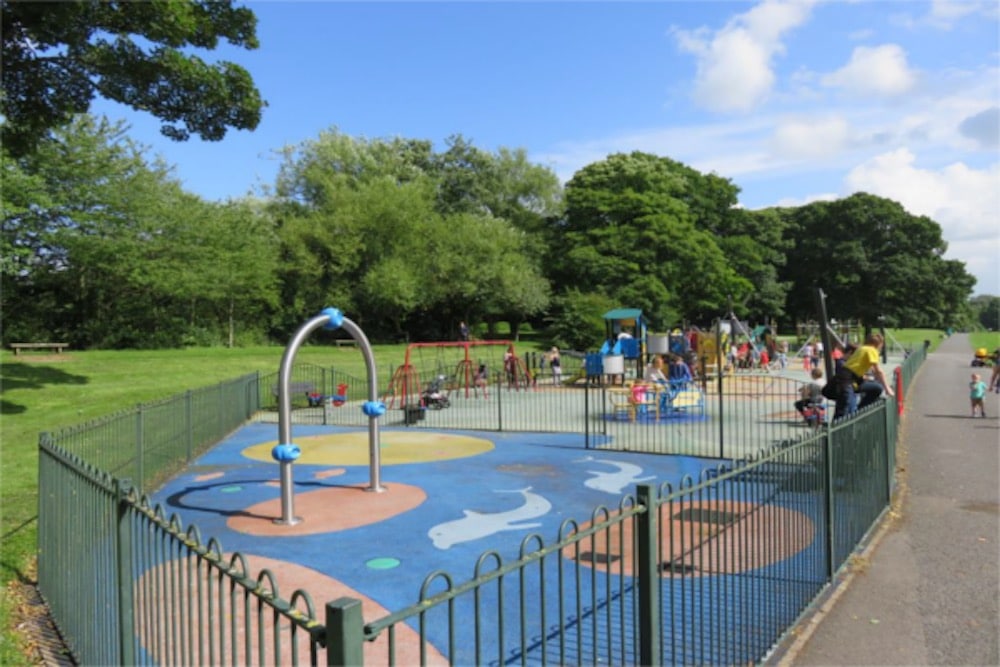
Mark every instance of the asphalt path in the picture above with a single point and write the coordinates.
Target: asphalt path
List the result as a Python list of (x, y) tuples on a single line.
[(925, 589)]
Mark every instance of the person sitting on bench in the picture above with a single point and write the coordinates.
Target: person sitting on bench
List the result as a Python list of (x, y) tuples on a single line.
[(679, 374)]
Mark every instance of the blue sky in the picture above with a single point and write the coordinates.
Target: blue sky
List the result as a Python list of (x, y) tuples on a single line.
[(792, 101)]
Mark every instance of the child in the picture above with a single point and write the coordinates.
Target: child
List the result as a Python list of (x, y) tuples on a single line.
[(480, 380), (811, 394), (977, 390)]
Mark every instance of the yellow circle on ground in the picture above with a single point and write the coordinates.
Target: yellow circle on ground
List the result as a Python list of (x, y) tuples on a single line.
[(396, 447)]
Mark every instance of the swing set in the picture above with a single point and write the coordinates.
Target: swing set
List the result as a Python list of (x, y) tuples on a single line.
[(406, 384)]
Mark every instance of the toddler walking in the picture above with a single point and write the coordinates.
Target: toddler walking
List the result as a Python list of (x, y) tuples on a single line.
[(977, 391)]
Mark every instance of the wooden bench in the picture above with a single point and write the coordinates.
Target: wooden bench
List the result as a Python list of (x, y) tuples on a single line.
[(58, 347), (341, 342), (296, 389)]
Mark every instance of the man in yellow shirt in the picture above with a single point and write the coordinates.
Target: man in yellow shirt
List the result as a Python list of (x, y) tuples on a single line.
[(851, 378)]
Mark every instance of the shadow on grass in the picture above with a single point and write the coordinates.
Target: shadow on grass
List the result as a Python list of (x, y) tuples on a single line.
[(31, 376), (9, 408)]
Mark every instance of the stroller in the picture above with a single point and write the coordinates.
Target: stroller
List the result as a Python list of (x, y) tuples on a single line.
[(433, 396)]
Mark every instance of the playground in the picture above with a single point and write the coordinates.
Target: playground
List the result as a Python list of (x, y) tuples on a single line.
[(367, 514), (445, 499), (517, 521)]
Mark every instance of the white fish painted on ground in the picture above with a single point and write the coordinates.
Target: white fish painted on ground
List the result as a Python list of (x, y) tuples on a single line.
[(477, 525), (614, 482)]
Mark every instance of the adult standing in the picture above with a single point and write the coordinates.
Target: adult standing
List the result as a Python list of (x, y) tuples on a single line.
[(995, 373), (556, 365), (463, 331), (851, 378)]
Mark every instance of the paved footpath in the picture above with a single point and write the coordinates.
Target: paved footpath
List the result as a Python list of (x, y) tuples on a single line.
[(925, 590)]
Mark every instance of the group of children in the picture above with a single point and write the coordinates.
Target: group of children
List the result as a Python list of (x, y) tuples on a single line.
[(748, 357)]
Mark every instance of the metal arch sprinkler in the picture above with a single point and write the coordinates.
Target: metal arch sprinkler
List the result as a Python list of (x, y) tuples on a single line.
[(286, 452)]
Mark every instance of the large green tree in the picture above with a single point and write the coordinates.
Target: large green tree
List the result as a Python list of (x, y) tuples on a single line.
[(103, 248), (875, 262), (380, 229), (57, 56), (645, 233)]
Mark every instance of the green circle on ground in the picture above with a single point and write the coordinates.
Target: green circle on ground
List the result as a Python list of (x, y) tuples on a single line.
[(385, 563)]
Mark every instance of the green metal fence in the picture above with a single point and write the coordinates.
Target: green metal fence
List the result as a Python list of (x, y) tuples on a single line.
[(151, 441), (127, 585), (728, 417), (713, 571)]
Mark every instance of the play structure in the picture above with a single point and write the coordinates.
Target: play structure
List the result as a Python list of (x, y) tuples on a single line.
[(629, 345), (458, 366), (286, 452), (624, 343)]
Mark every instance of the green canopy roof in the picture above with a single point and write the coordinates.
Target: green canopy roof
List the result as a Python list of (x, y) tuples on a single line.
[(623, 314)]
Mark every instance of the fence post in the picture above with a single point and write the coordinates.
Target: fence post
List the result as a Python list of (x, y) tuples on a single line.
[(898, 373), (344, 633), (889, 432), (499, 395), (123, 548), (188, 426), (648, 574), (828, 499), (139, 427)]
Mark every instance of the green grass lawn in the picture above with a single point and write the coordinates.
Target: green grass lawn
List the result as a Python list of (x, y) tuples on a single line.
[(988, 339), (49, 392)]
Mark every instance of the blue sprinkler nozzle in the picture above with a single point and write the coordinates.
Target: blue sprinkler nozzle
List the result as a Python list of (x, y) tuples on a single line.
[(336, 318), (285, 452), (373, 408)]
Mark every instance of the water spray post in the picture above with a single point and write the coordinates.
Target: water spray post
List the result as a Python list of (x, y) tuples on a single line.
[(286, 452)]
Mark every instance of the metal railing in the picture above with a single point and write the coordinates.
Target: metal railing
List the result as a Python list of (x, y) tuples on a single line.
[(728, 417), (710, 571), (152, 441), (126, 585), (713, 571)]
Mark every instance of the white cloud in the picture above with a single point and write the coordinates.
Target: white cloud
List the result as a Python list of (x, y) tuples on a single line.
[(967, 199), (808, 138), (963, 200), (734, 68), (880, 71), (791, 202), (944, 14)]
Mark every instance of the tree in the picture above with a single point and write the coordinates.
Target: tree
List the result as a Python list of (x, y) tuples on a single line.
[(222, 262), (986, 311), (78, 241), (58, 55), (505, 184), (369, 222), (104, 249), (873, 260), (632, 234)]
